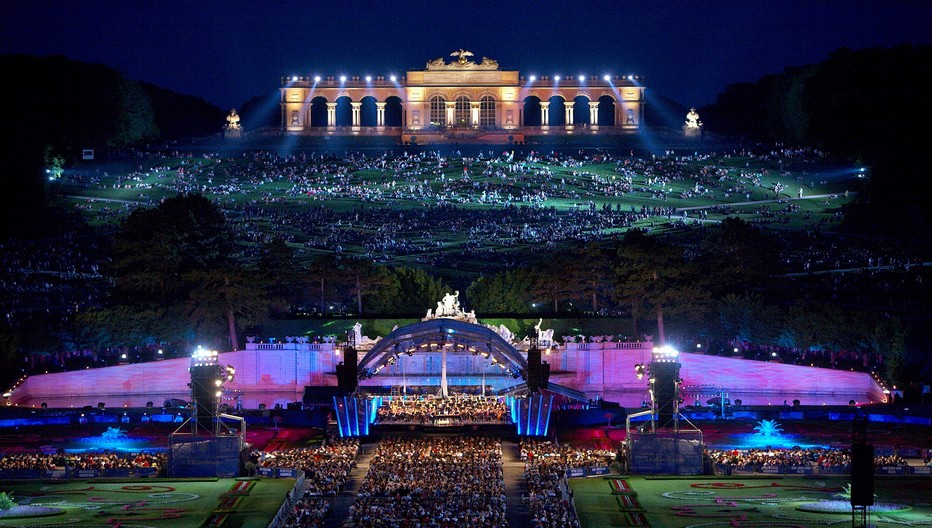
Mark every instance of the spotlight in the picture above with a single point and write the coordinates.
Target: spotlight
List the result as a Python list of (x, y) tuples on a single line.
[(294, 78), (631, 77), (393, 78), (556, 77), (581, 77), (343, 78), (532, 78), (607, 77), (317, 78), (368, 78)]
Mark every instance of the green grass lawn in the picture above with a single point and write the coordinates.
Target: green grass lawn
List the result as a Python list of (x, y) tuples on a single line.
[(150, 502), (728, 502), (105, 193)]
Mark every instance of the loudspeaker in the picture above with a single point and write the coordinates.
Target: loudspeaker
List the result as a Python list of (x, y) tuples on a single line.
[(533, 369), (351, 362), (203, 394), (545, 375), (862, 475), (664, 375)]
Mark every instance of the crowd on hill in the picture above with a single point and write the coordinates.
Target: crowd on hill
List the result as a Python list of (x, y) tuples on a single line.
[(432, 482), (516, 186), (460, 408), (545, 467)]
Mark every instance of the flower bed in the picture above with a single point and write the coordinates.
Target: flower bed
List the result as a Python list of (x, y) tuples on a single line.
[(843, 506), (620, 486), (21, 511)]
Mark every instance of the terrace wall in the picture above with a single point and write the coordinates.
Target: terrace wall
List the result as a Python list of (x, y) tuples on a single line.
[(276, 373)]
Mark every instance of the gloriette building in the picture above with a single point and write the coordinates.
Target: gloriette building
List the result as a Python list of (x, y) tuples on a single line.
[(461, 100)]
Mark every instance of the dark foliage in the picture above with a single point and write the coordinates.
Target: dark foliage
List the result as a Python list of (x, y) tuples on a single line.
[(180, 116)]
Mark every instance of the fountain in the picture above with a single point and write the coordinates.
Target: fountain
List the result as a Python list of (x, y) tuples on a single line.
[(769, 429), (113, 439), (767, 434)]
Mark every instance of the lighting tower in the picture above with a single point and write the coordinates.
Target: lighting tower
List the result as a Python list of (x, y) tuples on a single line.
[(207, 379), (664, 386)]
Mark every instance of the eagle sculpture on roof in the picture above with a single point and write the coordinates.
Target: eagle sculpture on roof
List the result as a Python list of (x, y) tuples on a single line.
[(462, 54)]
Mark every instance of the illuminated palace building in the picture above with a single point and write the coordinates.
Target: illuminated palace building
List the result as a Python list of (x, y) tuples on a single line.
[(461, 99)]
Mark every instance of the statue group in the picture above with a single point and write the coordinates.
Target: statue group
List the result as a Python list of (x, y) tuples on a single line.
[(449, 308)]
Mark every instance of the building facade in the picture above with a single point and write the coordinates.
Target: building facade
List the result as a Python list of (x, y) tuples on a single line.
[(461, 99)]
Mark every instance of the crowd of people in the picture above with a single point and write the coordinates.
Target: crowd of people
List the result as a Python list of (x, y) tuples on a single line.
[(326, 468), (545, 467), (104, 461), (432, 482), (459, 408), (755, 459)]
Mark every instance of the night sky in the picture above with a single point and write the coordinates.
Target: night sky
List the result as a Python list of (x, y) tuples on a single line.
[(230, 51)]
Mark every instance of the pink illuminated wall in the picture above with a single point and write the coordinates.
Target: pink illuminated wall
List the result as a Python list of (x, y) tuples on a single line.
[(277, 374)]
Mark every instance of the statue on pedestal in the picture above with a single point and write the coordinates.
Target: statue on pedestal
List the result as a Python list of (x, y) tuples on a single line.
[(233, 128), (693, 126), (544, 337)]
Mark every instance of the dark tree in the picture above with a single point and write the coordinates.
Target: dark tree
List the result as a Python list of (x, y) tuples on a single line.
[(155, 248)]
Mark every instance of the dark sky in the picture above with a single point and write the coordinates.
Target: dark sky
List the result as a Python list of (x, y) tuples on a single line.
[(229, 51)]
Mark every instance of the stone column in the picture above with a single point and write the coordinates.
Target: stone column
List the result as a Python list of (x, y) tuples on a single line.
[(451, 113), (380, 114), (474, 113), (569, 114), (331, 115), (443, 371), (594, 115), (356, 111), (545, 114)]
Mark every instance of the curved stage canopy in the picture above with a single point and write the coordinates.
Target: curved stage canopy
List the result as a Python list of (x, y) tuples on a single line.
[(435, 334)]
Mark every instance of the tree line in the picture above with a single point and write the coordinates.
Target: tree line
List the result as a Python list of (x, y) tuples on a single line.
[(179, 277)]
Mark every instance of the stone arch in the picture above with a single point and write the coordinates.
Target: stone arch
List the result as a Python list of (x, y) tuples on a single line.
[(487, 109), (461, 336), (436, 109), (344, 111), (581, 110), (318, 111), (367, 112), (557, 110), (532, 111), (461, 111), (393, 111), (606, 111)]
